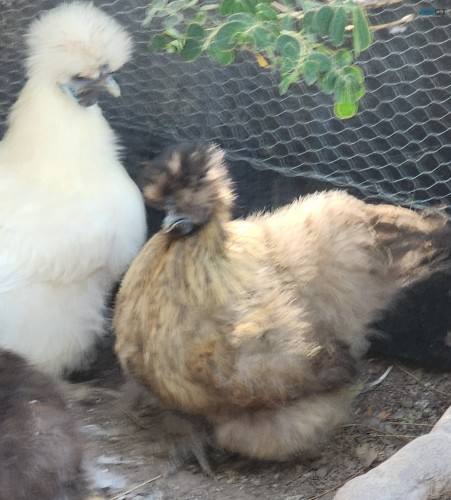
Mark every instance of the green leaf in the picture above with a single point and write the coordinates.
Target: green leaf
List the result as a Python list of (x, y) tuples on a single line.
[(361, 34), (324, 62), (200, 17), (342, 92), (355, 81), (322, 49), (343, 57), (322, 19), (355, 71), (153, 9), (191, 50), (311, 72), (287, 23), (266, 13), (337, 27), (360, 92), (223, 57), (348, 88), (176, 5), (307, 21), (209, 6), (308, 5), (289, 49), (172, 20), (244, 18), (328, 81), (190, 4), (227, 7), (286, 65), (174, 46), (195, 31), (159, 42), (264, 35), (174, 33), (226, 37), (288, 46), (286, 82), (345, 110)]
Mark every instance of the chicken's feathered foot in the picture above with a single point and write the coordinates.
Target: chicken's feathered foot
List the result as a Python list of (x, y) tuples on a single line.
[(188, 437)]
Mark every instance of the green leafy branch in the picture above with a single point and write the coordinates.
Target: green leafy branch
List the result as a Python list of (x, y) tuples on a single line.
[(299, 38)]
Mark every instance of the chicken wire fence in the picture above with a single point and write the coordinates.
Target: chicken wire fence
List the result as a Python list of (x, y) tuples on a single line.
[(397, 148)]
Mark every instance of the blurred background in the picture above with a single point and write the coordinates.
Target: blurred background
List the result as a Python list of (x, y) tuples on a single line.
[(397, 148)]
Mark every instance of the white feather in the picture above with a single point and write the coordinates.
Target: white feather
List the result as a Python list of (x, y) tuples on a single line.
[(71, 219)]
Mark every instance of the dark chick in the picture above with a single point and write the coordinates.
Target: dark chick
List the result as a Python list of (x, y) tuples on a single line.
[(256, 325), (40, 450)]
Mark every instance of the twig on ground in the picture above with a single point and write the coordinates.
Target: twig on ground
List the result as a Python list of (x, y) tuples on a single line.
[(117, 497), (438, 391), (400, 422), (395, 436), (360, 471), (385, 433)]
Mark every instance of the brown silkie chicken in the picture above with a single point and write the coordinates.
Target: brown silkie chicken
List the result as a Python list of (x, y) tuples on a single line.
[(40, 449), (256, 325)]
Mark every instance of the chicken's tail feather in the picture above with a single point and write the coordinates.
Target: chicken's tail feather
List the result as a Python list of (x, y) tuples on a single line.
[(416, 328), (418, 243)]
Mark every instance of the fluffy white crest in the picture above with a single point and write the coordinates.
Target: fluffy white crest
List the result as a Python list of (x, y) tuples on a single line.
[(75, 39)]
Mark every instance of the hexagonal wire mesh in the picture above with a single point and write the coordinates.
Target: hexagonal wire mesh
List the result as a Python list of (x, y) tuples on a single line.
[(397, 148)]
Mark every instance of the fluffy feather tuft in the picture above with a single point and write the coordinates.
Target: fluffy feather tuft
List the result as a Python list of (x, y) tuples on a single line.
[(75, 39), (195, 178)]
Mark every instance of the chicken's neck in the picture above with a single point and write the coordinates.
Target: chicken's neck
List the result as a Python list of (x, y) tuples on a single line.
[(196, 263), (209, 238), (49, 133)]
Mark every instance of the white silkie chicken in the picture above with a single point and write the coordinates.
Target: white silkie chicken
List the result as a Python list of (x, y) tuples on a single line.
[(71, 219)]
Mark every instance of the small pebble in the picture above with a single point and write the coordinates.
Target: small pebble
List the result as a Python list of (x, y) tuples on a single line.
[(322, 472)]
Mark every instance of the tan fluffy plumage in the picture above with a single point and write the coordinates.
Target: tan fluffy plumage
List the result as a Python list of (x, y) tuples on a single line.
[(256, 324), (71, 219)]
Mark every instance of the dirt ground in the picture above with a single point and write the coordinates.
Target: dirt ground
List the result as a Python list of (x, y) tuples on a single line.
[(127, 456)]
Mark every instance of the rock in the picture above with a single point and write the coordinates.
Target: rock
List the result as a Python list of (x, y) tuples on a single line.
[(419, 471), (366, 454), (322, 472), (407, 402)]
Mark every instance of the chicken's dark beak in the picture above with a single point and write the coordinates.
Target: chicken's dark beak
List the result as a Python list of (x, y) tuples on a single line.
[(174, 221), (86, 91)]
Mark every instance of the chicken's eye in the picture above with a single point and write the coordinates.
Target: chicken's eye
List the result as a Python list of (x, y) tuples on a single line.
[(105, 69)]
